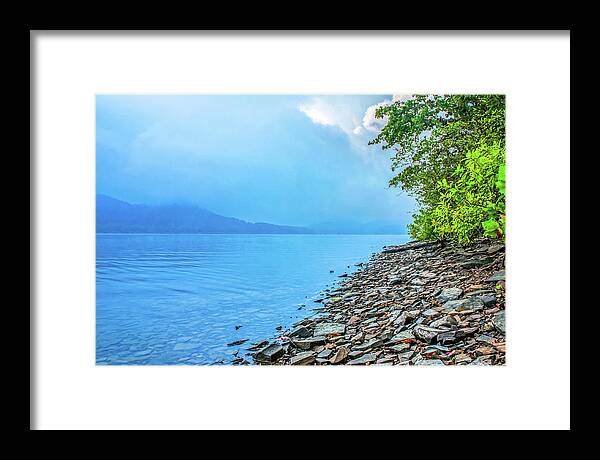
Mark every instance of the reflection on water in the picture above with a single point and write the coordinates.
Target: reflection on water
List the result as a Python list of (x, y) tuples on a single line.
[(177, 299)]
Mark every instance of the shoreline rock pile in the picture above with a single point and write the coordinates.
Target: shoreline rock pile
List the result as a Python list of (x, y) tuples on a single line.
[(413, 304)]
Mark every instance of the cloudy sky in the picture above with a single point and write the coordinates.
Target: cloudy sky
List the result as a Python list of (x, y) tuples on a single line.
[(297, 160)]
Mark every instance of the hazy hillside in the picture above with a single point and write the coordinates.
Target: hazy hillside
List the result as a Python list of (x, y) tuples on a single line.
[(116, 216)]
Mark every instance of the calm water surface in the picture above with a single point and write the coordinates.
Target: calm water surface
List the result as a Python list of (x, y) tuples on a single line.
[(177, 299)]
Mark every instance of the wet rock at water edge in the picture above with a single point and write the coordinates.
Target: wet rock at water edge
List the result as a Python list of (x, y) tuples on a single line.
[(270, 353), (258, 346), (308, 357), (307, 344), (301, 332), (449, 294)]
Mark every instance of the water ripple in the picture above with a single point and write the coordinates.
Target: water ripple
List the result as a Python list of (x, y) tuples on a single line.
[(177, 299)]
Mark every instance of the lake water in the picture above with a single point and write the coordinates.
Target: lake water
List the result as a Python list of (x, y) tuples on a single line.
[(177, 299)]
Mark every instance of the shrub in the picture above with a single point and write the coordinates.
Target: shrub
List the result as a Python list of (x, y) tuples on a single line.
[(471, 201), (449, 155)]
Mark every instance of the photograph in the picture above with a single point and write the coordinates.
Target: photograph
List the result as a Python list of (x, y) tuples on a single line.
[(301, 229)]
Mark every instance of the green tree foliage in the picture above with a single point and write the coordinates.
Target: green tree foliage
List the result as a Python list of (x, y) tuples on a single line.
[(450, 155)]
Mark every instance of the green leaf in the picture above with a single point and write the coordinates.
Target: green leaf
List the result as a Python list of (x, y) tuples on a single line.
[(501, 180), (490, 226)]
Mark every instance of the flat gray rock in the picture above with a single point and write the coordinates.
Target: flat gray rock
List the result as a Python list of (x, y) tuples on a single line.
[(489, 300), (374, 343), (469, 304), (473, 263), (365, 359), (494, 248), (429, 312), (301, 332), (429, 362), (498, 320), (270, 353), (446, 337), (307, 344), (425, 333), (446, 321), (340, 355), (400, 347), (302, 359), (400, 336), (449, 294), (325, 354), (498, 276), (323, 329)]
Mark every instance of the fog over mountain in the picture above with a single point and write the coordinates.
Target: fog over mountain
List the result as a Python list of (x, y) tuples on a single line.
[(296, 160), (116, 216)]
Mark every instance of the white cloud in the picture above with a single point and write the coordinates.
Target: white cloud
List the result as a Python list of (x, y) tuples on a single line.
[(347, 114), (318, 113), (370, 123), (331, 112)]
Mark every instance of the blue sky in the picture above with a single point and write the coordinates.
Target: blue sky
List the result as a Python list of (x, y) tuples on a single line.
[(296, 160)]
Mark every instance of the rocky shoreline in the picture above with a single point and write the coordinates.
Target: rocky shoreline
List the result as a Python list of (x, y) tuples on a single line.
[(413, 304)]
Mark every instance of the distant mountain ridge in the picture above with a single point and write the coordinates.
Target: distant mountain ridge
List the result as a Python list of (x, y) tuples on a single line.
[(116, 216)]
